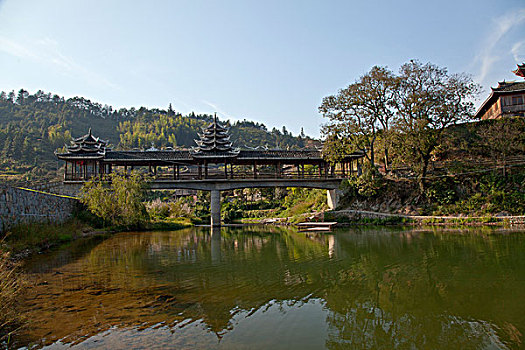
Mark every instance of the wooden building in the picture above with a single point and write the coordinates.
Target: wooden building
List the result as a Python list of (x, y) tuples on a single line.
[(508, 99), (213, 158)]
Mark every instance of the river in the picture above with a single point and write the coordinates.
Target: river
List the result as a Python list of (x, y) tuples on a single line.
[(275, 288)]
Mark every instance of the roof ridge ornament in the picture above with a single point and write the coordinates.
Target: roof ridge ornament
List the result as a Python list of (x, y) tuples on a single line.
[(520, 71)]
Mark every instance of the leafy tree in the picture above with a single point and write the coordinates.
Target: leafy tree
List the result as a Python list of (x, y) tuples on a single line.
[(359, 113), (118, 203), (409, 111), (428, 101)]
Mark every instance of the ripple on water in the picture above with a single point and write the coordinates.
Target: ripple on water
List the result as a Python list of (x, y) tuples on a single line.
[(276, 288)]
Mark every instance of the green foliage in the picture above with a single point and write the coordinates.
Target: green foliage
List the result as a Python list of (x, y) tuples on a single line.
[(484, 194), (119, 202), (39, 236), (368, 185), (442, 191), (32, 127), (231, 211), (202, 207), (391, 220), (303, 200)]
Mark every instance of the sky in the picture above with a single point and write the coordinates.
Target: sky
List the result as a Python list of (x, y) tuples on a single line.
[(267, 61)]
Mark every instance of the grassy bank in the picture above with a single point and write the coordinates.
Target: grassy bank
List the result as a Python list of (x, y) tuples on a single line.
[(467, 195), (34, 237), (10, 288)]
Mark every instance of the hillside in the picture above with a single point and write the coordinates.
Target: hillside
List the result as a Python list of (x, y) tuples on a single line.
[(33, 126), (478, 170)]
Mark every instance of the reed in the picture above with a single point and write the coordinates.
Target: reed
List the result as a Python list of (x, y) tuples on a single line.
[(10, 289)]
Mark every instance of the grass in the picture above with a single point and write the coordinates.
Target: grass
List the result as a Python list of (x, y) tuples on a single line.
[(466, 220), (39, 236), (10, 289)]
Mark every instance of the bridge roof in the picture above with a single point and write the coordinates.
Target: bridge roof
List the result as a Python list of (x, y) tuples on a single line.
[(164, 155), (186, 156)]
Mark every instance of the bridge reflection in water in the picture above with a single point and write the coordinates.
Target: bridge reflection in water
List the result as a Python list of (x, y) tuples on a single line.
[(274, 288)]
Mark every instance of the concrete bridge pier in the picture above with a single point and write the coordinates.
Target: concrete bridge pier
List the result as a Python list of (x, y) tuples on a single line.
[(215, 208), (332, 197)]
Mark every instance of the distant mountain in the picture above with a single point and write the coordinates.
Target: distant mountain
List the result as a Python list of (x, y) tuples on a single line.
[(32, 127)]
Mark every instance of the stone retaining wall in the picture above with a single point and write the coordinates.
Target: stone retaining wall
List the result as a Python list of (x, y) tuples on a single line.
[(19, 205)]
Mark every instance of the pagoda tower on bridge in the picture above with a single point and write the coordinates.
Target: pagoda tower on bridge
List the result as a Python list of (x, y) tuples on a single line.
[(214, 142)]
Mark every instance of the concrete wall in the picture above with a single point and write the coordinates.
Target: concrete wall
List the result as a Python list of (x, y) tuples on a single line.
[(23, 206)]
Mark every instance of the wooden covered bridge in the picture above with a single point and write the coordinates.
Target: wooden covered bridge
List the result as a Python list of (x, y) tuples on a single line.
[(213, 165)]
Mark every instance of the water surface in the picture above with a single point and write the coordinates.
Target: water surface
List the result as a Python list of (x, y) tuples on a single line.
[(269, 287)]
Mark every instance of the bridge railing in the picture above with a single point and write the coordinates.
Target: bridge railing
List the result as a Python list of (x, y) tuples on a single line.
[(242, 175)]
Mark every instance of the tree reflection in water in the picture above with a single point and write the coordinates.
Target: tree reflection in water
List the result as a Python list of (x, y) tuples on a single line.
[(378, 288)]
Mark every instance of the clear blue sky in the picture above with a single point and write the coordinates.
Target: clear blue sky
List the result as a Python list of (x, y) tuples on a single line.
[(268, 61)]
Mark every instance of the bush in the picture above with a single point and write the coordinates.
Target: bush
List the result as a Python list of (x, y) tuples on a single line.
[(158, 209), (119, 202), (442, 191)]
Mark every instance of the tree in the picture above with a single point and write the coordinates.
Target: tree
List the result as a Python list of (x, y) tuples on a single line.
[(503, 138), (362, 111), (22, 96), (120, 202), (302, 134), (429, 100)]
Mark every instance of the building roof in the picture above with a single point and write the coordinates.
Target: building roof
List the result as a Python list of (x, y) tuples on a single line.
[(520, 71), (168, 156), (86, 146), (503, 88), (99, 152), (510, 86), (214, 142), (185, 156)]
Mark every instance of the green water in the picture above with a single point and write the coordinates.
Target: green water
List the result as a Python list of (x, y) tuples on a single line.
[(275, 288)]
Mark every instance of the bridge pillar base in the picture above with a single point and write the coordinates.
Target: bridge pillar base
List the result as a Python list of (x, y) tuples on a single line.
[(215, 208), (332, 197)]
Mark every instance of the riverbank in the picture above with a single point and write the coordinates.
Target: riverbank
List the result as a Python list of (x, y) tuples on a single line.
[(348, 217), (25, 240)]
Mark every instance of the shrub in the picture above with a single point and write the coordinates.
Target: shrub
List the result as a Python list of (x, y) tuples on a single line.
[(119, 202)]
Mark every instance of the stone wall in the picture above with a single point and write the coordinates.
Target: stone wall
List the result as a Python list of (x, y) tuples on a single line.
[(19, 205)]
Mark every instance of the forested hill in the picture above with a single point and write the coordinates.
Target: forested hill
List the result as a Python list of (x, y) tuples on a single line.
[(32, 127)]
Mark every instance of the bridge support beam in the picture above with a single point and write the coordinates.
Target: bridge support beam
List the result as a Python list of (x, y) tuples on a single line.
[(215, 208), (332, 197)]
